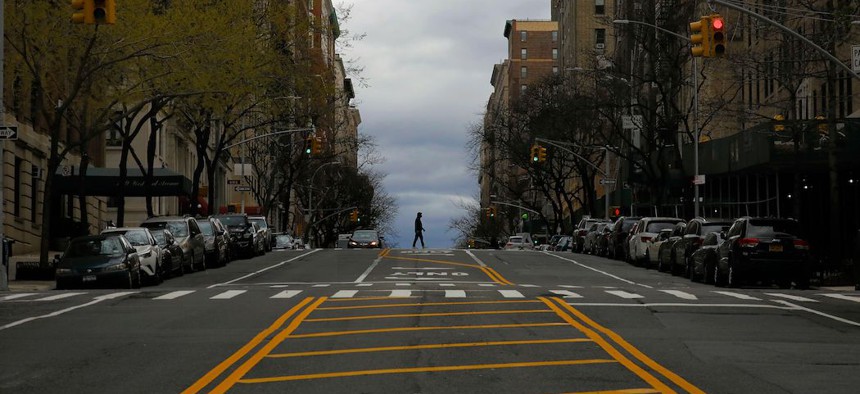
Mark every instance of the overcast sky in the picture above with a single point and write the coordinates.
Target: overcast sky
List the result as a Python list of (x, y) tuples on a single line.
[(428, 66)]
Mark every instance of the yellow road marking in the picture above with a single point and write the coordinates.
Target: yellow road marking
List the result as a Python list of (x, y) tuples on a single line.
[(650, 379), (384, 252), (402, 329), (681, 382), (234, 377), (423, 369), (491, 273), (367, 299), (220, 368), (628, 391), (334, 308), (428, 346), (429, 315)]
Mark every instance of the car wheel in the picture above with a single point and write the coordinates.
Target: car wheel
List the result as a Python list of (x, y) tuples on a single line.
[(158, 278), (732, 279), (646, 261), (202, 266), (134, 279)]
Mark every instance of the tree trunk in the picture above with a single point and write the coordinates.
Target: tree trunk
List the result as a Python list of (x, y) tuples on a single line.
[(82, 192), (151, 145), (47, 204), (123, 174)]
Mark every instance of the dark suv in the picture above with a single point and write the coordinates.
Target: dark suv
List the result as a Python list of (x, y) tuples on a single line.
[(241, 233), (765, 249), (697, 229), (617, 243)]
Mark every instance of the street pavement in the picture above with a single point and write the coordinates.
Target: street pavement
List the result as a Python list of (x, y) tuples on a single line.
[(430, 321)]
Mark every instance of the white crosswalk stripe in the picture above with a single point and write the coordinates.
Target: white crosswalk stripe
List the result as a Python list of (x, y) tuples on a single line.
[(486, 285), (738, 295), (569, 287), (511, 294), (791, 297), (287, 294), (113, 296), (174, 295), (228, 294), (16, 296), (624, 294), (401, 293), (529, 286), (842, 297), (364, 285), (681, 294), (446, 284), (59, 296), (402, 284), (345, 294), (566, 293), (322, 285), (455, 293)]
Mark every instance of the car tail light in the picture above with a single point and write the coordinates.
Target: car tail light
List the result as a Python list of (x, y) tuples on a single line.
[(801, 244), (748, 242)]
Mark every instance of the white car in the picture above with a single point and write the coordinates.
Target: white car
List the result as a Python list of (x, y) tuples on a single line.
[(647, 230), (519, 242), (147, 248), (653, 254)]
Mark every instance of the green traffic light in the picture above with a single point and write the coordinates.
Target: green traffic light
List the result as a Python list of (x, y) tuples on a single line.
[(535, 159), (308, 150)]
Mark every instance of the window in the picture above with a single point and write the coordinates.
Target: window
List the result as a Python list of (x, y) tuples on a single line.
[(555, 54), (600, 37), (554, 35), (524, 72), (16, 209), (524, 35), (555, 69), (114, 134), (524, 54), (34, 191), (599, 7)]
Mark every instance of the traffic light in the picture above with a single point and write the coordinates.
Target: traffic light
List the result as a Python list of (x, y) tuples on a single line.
[(541, 154), (492, 212), (535, 153), (700, 37), (353, 216), (778, 124), (92, 12), (822, 124), (316, 146), (309, 145), (717, 39), (615, 211)]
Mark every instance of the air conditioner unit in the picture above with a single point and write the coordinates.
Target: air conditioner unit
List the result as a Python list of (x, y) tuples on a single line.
[(599, 46)]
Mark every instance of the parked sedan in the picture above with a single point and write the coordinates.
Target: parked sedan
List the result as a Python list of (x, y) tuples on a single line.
[(591, 238), (653, 253), (602, 244), (695, 233), (268, 237), (284, 241), (188, 237), (171, 253), (763, 249), (618, 238), (147, 250), (665, 258), (107, 259), (646, 231), (216, 242), (703, 262)]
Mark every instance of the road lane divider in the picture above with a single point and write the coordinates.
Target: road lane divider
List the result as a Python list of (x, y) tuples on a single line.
[(428, 346), (265, 269), (428, 328), (335, 308), (210, 376), (626, 391), (395, 316), (243, 369), (425, 369), (373, 265), (632, 350)]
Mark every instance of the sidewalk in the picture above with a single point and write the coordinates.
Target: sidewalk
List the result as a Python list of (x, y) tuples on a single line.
[(28, 285)]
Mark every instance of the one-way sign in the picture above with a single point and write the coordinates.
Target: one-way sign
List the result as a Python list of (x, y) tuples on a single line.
[(242, 188), (8, 132)]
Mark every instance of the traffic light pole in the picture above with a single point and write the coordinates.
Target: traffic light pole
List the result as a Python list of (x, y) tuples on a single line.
[(605, 173)]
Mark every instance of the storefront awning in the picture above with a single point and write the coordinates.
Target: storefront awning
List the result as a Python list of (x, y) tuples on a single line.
[(106, 182)]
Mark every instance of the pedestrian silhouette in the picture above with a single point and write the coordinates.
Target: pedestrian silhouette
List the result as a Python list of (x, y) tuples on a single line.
[(419, 231)]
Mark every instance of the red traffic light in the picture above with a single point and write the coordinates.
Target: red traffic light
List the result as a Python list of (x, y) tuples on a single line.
[(718, 24)]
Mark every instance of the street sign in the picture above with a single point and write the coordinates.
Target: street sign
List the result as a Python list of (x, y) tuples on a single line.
[(699, 180), (8, 132), (855, 58), (234, 182), (242, 188), (607, 181)]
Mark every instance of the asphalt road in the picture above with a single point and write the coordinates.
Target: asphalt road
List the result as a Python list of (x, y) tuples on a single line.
[(435, 321)]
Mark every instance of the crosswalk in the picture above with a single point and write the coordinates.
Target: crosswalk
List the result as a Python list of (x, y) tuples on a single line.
[(567, 292)]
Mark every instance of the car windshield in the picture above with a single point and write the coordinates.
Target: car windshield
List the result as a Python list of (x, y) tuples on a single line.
[(179, 228), (364, 236), (516, 240), (771, 228), (111, 246), (160, 237), (134, 237), (655, 227), (260, 222), (233, 221), (206, 227)]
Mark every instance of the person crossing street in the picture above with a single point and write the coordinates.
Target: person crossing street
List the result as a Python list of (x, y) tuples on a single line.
[(419, 231)]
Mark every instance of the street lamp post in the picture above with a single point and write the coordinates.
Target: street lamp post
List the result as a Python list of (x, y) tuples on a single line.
[(696, 137)]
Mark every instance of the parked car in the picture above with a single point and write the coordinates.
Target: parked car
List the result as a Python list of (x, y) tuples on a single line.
[(242, 234), (664, 255), (268, 237), (703, 262), (364, 239), (171, 252), (602, 244), (553, 241), (618, 238), (147, 250), (646, 231), (257, 240), (594, 232), (653, 252), (519, 242), (581, 231), (107, 259), (283, 241), (216, 242), (188, 236), (764, 249), (695, 233)]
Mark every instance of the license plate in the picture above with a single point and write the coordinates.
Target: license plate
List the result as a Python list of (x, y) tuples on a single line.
[(776, 248), (89, 278)]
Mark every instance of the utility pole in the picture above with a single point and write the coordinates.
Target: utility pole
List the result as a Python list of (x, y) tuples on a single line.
[(4, 267)]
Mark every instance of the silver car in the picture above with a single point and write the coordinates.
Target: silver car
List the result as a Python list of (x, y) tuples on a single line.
[(147, 249), (188, 236)]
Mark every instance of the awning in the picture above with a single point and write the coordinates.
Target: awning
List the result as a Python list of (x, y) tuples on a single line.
[(106, 182)]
